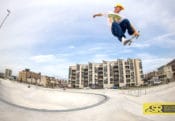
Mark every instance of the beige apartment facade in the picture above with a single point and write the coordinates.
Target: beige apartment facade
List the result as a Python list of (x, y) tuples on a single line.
[(171, 66), (108, 74), (150, 75), (167, 72), (28, 76)]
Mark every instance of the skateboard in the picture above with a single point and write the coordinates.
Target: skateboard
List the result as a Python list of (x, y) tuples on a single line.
[(131, 40)]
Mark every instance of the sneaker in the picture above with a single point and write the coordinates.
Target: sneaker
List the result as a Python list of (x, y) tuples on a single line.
[(124, 41)]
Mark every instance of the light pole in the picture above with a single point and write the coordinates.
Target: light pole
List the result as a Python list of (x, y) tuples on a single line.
[(8, 13)]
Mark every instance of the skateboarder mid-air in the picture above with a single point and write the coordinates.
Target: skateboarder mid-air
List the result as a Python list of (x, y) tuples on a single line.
[(119, 24)]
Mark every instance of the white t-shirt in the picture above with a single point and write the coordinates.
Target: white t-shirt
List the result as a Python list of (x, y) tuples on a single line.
[(113, 17)]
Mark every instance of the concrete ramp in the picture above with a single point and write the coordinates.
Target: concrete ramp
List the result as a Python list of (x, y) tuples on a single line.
[(43, 99)]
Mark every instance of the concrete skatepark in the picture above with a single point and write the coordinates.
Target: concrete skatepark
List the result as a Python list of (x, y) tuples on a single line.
[(19, 103), (40, 99)]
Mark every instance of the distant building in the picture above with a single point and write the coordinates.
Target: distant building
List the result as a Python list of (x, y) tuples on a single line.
[(52, 82), (44, 81), (154, 81), (166, 72), (149, 76), (14, 78), (8, 73), (63, 83), (172, 66), (1, 75), (109, 74), (28, 76)]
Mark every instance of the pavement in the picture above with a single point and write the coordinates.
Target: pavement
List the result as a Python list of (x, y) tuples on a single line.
[(104, 104)]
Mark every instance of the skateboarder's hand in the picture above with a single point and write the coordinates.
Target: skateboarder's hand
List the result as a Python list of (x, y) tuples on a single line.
[(136, 34), (94, 16), (98, 14)]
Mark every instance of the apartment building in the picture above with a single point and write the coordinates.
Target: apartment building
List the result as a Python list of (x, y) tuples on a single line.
[(119, 73), (47, 81), (28, 76), (8, 73), (167, 72), (1, 75), (172, 66), (150, 75)]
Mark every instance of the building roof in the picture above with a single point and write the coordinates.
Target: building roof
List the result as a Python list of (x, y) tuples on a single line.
[(171, 62)]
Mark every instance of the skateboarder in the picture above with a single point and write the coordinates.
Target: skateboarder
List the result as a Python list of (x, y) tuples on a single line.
[(119, 24)]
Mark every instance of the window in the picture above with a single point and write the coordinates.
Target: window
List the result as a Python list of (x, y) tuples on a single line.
[(127, 76), (140, 65)]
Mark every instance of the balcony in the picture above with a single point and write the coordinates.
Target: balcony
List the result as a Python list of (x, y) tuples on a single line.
[(100, 79), (116, 74), (173, 68), (116, 67), (116, 70)]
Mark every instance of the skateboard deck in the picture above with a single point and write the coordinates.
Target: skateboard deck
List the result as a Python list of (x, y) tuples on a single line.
[(131, 40)]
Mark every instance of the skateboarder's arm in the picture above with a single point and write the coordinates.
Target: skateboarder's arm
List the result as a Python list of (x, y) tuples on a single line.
[(98, 14)]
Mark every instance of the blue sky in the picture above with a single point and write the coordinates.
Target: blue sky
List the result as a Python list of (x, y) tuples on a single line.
[(48, 36)]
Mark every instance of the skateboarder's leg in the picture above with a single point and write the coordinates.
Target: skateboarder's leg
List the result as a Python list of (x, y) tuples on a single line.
[(117, 31), (126, 25)]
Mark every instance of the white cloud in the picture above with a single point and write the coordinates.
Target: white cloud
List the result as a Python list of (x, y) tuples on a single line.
[(151, 62), (52, 65), (60, 69), (147, 15), (43, 58), (166, 40), (40, 25), (98, 58), (71, 47), (140, 45), (94, 49)]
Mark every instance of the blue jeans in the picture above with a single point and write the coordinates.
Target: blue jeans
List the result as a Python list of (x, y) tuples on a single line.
[(119, 29)]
